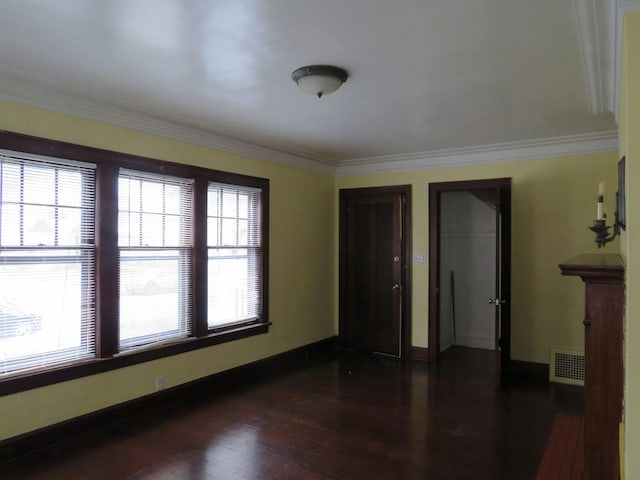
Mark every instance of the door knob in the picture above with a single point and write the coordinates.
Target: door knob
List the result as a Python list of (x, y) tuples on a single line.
[(496, 301), (396, 286)]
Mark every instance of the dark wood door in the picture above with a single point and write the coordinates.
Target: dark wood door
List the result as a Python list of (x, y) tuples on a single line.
[(372, 272), (503, 282), (497, 193)]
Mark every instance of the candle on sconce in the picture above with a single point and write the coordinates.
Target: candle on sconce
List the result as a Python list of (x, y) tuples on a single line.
[(600, 204)]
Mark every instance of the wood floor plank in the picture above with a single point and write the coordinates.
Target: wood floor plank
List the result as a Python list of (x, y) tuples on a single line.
[(349, 417), (563, 458)]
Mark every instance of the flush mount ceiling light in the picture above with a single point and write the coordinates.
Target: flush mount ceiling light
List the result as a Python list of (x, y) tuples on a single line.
[(319, 79)]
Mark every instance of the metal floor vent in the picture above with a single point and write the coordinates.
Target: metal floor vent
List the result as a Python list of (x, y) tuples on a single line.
[(567, 366)]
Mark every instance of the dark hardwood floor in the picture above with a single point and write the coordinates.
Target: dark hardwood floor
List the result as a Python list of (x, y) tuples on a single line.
[(343, 417)]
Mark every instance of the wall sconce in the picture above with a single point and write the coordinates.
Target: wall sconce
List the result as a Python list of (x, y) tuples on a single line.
[(600, 227)]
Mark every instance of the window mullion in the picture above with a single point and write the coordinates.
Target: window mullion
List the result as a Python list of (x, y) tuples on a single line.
[(200, 258), (107, 264), (263, 215)]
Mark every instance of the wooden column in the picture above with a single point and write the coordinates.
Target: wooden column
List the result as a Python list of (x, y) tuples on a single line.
[(603, 276)]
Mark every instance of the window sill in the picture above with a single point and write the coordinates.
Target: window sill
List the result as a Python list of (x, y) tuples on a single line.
[(36, 379)]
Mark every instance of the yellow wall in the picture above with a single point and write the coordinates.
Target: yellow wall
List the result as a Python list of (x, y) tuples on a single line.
[(553, 202), (301, 279), (629, 122)]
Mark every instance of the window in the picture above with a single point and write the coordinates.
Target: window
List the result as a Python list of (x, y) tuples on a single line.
[(108, 260), (47, 259), (233, 240), (154, 237)]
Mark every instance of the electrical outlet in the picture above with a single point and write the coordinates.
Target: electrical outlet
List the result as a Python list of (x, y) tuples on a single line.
[(159, 383)]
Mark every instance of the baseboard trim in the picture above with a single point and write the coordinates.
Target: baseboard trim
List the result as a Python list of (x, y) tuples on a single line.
[(257, 371), (420, 354), (521, 370)]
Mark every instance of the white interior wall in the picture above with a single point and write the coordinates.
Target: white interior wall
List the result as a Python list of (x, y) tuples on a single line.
[(468, 247)]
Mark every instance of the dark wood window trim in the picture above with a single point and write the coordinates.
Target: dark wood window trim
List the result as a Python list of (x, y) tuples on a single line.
[(108, 165)]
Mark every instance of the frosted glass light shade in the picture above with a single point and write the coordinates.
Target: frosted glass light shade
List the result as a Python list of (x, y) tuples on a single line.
[(319, 79), (319, 84)]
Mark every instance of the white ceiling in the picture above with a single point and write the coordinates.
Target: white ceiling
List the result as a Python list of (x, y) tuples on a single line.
[(428, 78)]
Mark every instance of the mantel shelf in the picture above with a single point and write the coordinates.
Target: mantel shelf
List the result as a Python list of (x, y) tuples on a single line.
[(595, 266)]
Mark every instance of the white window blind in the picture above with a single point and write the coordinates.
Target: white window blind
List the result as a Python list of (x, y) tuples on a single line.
[(234, 254), (155, 242), (47, 262)]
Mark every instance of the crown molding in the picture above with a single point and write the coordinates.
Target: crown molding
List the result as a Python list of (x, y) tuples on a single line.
[(622, 7), (596, 35), (24, 89), (28, 90), (628, 6), (495, 153)]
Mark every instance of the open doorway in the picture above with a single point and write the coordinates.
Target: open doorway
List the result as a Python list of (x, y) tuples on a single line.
[(467, 269), (470, 268)]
